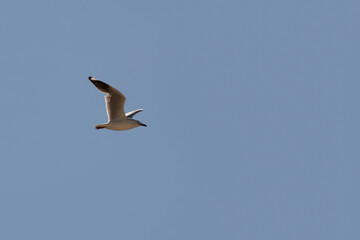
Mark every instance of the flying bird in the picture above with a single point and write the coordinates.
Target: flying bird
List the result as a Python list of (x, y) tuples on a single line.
[(115, 101)]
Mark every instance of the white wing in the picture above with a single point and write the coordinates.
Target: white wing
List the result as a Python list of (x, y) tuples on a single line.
[(132, 113), (114, 99)]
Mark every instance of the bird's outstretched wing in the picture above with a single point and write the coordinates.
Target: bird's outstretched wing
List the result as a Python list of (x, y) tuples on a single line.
[(132, 113), (114, 100)]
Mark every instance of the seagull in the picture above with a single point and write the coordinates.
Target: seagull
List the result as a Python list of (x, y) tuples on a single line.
[(115, 100)]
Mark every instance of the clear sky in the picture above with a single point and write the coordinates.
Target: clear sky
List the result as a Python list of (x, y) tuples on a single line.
[(252, 109)]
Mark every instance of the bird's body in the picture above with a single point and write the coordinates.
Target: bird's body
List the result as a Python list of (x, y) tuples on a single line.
[(115, 101), (119, 125)]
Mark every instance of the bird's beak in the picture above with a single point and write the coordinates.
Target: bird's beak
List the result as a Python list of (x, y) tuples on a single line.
[(144, 125)]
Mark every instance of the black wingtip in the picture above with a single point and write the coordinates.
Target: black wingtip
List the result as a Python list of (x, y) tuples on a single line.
[(103, 87)]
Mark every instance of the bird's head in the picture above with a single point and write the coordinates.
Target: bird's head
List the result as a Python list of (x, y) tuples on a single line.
[(141, 124)]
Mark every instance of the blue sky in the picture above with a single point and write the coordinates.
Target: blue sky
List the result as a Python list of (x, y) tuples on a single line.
[(251, 107)]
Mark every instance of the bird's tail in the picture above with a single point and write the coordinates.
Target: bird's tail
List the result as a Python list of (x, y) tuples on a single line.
[(100, 126)]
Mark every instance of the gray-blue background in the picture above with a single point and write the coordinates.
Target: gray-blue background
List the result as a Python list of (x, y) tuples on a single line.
[(252, 110)]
